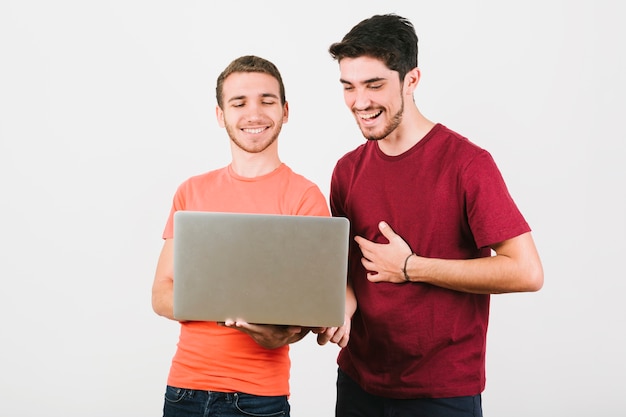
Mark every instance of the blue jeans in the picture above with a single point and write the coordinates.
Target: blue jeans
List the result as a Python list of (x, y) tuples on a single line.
[(181, 402), (352, 401)]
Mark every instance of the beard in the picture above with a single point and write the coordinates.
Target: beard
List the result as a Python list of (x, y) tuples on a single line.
[(387, 129), (255, 147)]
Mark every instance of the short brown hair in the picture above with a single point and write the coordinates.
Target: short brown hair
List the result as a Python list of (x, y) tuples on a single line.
[(249, 63)]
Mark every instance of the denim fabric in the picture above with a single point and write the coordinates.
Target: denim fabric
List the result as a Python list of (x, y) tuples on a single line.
[(181, 402), (352, 401)]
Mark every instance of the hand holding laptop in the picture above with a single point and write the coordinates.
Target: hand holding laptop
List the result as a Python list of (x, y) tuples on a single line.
[(270, 336)]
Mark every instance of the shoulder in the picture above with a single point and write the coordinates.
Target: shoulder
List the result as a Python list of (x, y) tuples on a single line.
[(450, 147), (294, 177), (443, 136), (202, 180), (354, 156), (304, 193), (297, 182), (207, 176)]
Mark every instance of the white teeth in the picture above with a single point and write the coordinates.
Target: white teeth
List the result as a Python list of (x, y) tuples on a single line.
[(258, 130), (369, 116)]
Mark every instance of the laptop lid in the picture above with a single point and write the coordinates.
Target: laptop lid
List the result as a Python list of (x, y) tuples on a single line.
[(261, 268)]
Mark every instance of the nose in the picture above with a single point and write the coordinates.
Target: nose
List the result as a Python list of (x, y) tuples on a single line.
[(254, 111), (358, 99)]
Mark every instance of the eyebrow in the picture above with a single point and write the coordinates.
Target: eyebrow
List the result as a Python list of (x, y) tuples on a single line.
[(243, 97), (368, 81)]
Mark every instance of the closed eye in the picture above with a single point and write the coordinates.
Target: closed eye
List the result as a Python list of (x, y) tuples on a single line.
[(237, 103)]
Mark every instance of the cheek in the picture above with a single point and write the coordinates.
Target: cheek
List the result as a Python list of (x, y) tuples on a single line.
[(219, 115), (348, 98)]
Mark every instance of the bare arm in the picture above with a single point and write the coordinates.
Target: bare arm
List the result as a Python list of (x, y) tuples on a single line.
[(516, 266), (163, 285)]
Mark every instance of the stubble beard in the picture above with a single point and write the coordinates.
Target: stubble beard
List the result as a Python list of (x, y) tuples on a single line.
[(393, 124), (256, 148)]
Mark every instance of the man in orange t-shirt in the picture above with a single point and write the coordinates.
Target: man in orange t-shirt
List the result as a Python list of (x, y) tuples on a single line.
[(234, 367)]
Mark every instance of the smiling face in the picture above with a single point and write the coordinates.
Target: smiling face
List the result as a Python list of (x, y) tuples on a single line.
[(252, 112), (373, 93)]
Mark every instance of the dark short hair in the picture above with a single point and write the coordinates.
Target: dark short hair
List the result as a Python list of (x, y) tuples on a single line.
[(249, 63), (389, 38)]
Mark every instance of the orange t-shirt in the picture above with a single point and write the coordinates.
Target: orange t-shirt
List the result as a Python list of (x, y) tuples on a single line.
[(214, 358)]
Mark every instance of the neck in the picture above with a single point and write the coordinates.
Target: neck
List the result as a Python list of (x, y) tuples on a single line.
[(250, 165), (412, 129)]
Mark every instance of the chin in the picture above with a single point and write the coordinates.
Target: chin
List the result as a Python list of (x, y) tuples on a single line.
[(370, 135)]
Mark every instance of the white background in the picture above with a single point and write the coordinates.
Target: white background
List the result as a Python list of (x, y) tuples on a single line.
[(105, 107)]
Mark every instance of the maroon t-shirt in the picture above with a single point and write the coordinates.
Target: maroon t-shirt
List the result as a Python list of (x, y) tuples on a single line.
[(447, 199)]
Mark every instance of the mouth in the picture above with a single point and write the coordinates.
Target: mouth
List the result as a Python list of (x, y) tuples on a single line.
[(369, 116), (254, 131)]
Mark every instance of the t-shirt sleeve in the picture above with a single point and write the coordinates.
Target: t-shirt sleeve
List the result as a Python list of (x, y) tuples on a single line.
[(492, 214), (178, 203), (313, 203), (336, 193)]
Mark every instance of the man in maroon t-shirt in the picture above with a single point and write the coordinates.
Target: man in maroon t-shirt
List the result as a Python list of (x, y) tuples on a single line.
[(427, 207)]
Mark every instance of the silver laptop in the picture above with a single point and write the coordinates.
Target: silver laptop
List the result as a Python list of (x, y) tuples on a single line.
[(262, 268)]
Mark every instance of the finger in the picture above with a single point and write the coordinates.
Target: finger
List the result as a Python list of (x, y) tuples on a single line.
[(294, 329), (369, 266), (386, 230), (342, 335), (367, 262), (344, 341), (338, 335), (245, 325), (373, 277), (363, 243), (324, 337)]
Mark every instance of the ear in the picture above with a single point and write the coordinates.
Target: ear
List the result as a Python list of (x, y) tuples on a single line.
[(286, 112), (219, 113), (411, 80)]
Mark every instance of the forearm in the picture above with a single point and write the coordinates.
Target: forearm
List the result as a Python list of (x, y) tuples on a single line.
[(163, 285), (162, 300), (351, 303), (515, 268)]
